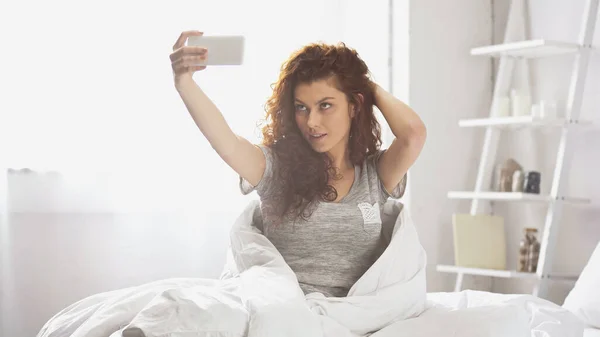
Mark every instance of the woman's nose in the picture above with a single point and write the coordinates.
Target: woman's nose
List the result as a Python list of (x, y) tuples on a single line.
[(313, 119)]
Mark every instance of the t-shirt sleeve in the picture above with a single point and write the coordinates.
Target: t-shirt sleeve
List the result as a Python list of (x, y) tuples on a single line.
[(263, 186), (398, 191)]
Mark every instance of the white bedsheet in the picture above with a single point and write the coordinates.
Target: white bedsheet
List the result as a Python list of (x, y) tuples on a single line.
[(526, 315), (259, 295), (590, 332)]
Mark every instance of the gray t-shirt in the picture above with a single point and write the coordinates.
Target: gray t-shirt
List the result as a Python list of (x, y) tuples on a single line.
[(340, 241)]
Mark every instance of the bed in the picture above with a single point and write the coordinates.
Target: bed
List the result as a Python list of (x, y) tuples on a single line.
[(258, 296), (591, 332)]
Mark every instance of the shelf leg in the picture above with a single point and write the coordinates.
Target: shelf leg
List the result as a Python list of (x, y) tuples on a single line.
[(565, 152), (459, 281), (541, 288)]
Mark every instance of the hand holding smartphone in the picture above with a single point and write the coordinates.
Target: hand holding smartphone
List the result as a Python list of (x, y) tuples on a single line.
[(221, 49)]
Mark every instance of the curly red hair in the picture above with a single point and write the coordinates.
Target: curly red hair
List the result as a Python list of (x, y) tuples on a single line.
[(302, 175)]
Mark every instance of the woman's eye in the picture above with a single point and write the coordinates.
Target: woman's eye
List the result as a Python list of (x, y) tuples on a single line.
[(325, 105), (300, 107)]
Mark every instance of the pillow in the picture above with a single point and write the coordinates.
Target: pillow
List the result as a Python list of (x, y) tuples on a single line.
[(584, 299)]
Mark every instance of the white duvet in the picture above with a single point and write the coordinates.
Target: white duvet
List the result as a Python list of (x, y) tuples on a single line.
[(258, 295)]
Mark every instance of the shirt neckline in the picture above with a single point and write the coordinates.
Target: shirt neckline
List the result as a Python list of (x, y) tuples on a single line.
[(351, 190)]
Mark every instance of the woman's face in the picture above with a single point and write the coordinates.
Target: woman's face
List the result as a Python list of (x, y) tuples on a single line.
[(323, 115)]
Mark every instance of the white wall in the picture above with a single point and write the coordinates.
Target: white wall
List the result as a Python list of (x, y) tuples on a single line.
[(445, 84), (4, 260)]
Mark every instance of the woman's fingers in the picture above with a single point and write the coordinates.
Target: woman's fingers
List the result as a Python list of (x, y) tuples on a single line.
[(187, 59), (189, 63), (183, 37), (186, 51)]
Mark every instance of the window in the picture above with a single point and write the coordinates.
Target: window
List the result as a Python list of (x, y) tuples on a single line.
[(91, 91)]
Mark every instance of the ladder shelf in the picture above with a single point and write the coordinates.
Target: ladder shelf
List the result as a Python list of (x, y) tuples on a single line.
[(518, 122), (513, 196), (513, 54), (502, 273), (528, 49)]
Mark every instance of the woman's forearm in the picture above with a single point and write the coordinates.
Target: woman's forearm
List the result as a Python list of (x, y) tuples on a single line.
[(207, 116), (405, 123)]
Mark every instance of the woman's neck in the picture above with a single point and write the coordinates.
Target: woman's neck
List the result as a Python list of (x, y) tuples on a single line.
[(341, 160), (340, 157)]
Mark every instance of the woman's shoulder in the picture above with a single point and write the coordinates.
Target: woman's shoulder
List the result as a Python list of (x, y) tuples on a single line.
[(372, 160), (370, 168), (263, 185)]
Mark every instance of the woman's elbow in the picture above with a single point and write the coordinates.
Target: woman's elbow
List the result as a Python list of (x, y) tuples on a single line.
[(415, 136), (420, 133)]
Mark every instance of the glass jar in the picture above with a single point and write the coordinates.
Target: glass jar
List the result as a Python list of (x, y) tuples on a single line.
[(529, 251), (534, 252), (523, 255)]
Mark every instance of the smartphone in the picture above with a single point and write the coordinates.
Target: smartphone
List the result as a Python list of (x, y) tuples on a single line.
[(222, 50)]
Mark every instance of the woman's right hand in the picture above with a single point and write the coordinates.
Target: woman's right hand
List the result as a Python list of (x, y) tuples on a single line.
[(185, 59), (244, 157)]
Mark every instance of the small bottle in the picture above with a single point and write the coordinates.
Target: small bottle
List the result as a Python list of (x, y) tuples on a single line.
[(523, 255), (520, 103), (529, 251), (534, 251), (502, 107)]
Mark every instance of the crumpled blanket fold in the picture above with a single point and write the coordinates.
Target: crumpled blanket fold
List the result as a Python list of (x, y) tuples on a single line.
[(258, 295)]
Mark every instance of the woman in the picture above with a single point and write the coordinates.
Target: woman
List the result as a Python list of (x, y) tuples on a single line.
[(320, 173)]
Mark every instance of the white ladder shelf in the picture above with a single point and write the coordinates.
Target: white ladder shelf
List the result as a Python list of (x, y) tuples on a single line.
[(509, 53)]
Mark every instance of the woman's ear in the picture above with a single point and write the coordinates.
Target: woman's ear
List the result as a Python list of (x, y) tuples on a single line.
[(360, 100)]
